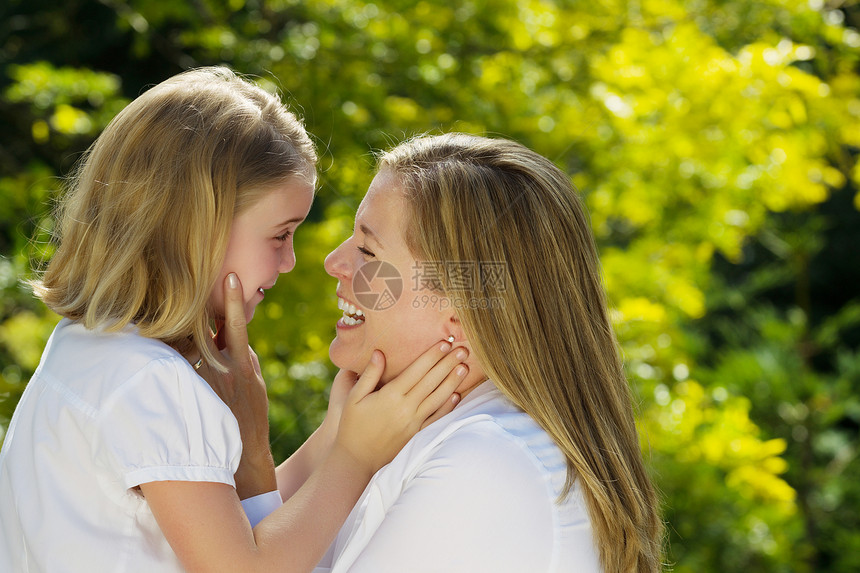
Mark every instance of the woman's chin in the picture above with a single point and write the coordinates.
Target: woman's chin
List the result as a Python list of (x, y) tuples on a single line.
[(358, 365), (344, 360)]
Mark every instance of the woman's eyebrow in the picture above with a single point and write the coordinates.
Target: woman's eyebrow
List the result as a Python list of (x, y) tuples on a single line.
[(369, 232)]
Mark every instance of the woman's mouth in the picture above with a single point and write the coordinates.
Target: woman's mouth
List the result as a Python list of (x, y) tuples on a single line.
[(352, 316)]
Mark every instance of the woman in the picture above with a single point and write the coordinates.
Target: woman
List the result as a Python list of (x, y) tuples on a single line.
[(534, 315), (538, 468)]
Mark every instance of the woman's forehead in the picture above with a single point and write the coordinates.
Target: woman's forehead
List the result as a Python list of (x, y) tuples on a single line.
[(382, 212)]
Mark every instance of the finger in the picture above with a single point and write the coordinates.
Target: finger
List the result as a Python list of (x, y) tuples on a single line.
[(235, 324), (438, 373), (446, 408), (345, 378), (369, 378), (437, 399), (466, 385), (416, 371)]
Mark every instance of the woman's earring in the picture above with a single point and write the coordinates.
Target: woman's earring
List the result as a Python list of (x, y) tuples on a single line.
[(451, 339)]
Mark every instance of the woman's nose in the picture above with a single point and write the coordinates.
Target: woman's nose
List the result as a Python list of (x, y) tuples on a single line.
[(336, 263)]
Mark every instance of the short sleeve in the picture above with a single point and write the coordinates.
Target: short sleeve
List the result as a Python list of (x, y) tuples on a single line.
[(166, 423), (478, 503)]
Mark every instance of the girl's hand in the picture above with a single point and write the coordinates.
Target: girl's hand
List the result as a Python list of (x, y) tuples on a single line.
[(343, 383), (376, 424), (243, 389), (295, 470)]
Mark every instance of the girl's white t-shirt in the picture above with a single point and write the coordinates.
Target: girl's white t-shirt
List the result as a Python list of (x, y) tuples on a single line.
[(104, 413)]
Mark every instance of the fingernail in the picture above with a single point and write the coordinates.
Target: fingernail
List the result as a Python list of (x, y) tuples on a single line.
[(461, 370), (455, 398), (461, 354), (375, 357), (232, 280), (445, 347)]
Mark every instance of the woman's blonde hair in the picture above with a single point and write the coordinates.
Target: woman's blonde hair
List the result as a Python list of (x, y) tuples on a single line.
[(543, 333), (143, 227)]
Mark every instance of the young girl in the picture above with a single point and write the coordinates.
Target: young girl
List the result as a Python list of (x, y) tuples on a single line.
[(120, 457)]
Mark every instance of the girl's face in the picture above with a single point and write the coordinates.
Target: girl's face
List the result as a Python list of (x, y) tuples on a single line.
[(260, 246), (369, 267)]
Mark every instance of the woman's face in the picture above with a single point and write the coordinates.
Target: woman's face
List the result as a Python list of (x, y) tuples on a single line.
[(378, 288), (260, 246)]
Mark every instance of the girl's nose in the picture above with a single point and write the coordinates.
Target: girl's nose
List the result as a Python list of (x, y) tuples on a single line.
[(288, 260)]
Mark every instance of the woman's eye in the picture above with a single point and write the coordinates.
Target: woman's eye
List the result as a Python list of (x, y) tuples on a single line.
[(283, 237), (365, 252)]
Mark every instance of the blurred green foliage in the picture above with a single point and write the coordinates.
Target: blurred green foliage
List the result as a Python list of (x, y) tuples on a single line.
[(714, 141)]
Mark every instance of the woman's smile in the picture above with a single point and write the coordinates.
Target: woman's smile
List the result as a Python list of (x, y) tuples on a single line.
[(352, 315)]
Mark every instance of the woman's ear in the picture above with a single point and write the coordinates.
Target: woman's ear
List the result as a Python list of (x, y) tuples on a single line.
[(455, 329), (476, 373)]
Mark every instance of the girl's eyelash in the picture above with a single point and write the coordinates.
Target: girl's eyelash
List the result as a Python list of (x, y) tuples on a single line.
[(365, 252), (283, 237)]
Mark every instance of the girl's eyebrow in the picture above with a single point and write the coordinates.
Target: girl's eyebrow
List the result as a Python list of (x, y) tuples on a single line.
[(289, 221)]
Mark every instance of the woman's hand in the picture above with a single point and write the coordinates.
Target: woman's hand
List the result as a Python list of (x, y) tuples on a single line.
[(243, 389), (376, 424)]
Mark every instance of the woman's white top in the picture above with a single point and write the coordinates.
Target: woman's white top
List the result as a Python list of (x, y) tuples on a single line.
[(475, 491), (103, 414)]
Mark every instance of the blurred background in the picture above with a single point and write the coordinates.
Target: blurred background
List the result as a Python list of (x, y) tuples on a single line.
[(715, 144)]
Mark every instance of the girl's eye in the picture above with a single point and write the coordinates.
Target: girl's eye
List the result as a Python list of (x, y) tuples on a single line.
[(365, 252), (283, 237)]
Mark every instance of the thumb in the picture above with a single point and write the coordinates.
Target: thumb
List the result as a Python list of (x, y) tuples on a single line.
[(369, 378)]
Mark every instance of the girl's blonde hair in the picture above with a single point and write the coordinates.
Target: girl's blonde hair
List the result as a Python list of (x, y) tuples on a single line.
[(143, 227), (542, 332)]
